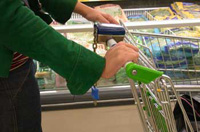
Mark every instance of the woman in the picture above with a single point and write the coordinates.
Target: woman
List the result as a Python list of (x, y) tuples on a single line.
[(23, 32)]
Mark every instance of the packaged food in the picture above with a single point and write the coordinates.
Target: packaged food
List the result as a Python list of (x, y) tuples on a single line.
[(45, 76), (113, 10), (162, 13), (184, 6), (81, 37), (137, 18), (78, 21)]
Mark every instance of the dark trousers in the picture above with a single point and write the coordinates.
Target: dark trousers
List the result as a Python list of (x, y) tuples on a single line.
[(20, 109)]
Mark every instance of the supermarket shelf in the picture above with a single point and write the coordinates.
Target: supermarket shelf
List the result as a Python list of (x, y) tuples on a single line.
[(110, 95), (132, 25)]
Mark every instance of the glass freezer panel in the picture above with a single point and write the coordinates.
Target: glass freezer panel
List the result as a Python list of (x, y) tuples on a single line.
[(49, 80)]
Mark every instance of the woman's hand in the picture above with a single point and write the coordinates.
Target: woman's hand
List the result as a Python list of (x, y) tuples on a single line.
[(117, 57), (93, 15), (97, 16)]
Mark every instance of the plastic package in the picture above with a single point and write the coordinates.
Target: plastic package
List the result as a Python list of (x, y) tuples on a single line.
[(113, 10), (162, 13), (136, 18)]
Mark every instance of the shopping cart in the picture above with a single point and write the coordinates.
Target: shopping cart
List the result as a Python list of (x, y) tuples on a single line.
[(158, 99)]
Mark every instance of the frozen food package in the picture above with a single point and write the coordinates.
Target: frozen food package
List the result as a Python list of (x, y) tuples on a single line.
[(161, 13), (181, 6), (186, 10), (45, 79), (174, 17), (86, 39), (78, 21), (137, 18), (197, 28), (81, 37), (190, 14), (113, 10)]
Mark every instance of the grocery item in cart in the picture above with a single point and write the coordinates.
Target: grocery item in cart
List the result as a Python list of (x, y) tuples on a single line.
[(113, 10)]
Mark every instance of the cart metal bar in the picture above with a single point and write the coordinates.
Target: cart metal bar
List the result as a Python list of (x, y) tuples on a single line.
[(131, 25)]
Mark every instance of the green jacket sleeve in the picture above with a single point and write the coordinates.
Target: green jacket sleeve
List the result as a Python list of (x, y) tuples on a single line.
[(60, 10), (23, 32)]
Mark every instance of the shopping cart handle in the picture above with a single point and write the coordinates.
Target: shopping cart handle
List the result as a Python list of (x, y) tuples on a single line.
[(138, 72)]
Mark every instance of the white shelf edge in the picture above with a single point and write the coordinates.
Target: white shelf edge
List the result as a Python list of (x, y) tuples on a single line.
[(132, 25)]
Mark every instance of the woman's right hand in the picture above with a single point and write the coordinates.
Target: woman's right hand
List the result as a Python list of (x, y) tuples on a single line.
[(117, 57)]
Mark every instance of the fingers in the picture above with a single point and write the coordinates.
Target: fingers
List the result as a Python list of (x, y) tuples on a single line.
[(117, 57), (126, 53), (102, 19), (129, 46), (110, 18), (132, 57)]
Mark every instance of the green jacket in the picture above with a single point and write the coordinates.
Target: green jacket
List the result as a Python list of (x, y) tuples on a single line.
[(21, 31)]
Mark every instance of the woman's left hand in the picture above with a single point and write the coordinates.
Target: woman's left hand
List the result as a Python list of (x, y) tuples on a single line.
[(98, 16), (93, 14)]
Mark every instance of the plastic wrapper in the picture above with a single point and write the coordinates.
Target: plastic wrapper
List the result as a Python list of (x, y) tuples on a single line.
[(162, 13), (186, 10), (113, 10), (181, 6), (80, 37), (190, 14), (137, 18), (78, 21)]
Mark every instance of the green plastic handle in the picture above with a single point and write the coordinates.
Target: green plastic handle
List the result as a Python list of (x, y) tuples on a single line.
[(141, 73)]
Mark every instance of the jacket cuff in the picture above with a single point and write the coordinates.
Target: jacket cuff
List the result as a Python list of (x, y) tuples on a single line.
[(89, 67)]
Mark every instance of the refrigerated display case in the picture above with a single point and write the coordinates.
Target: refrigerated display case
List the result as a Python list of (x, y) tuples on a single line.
[(111, 91)]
